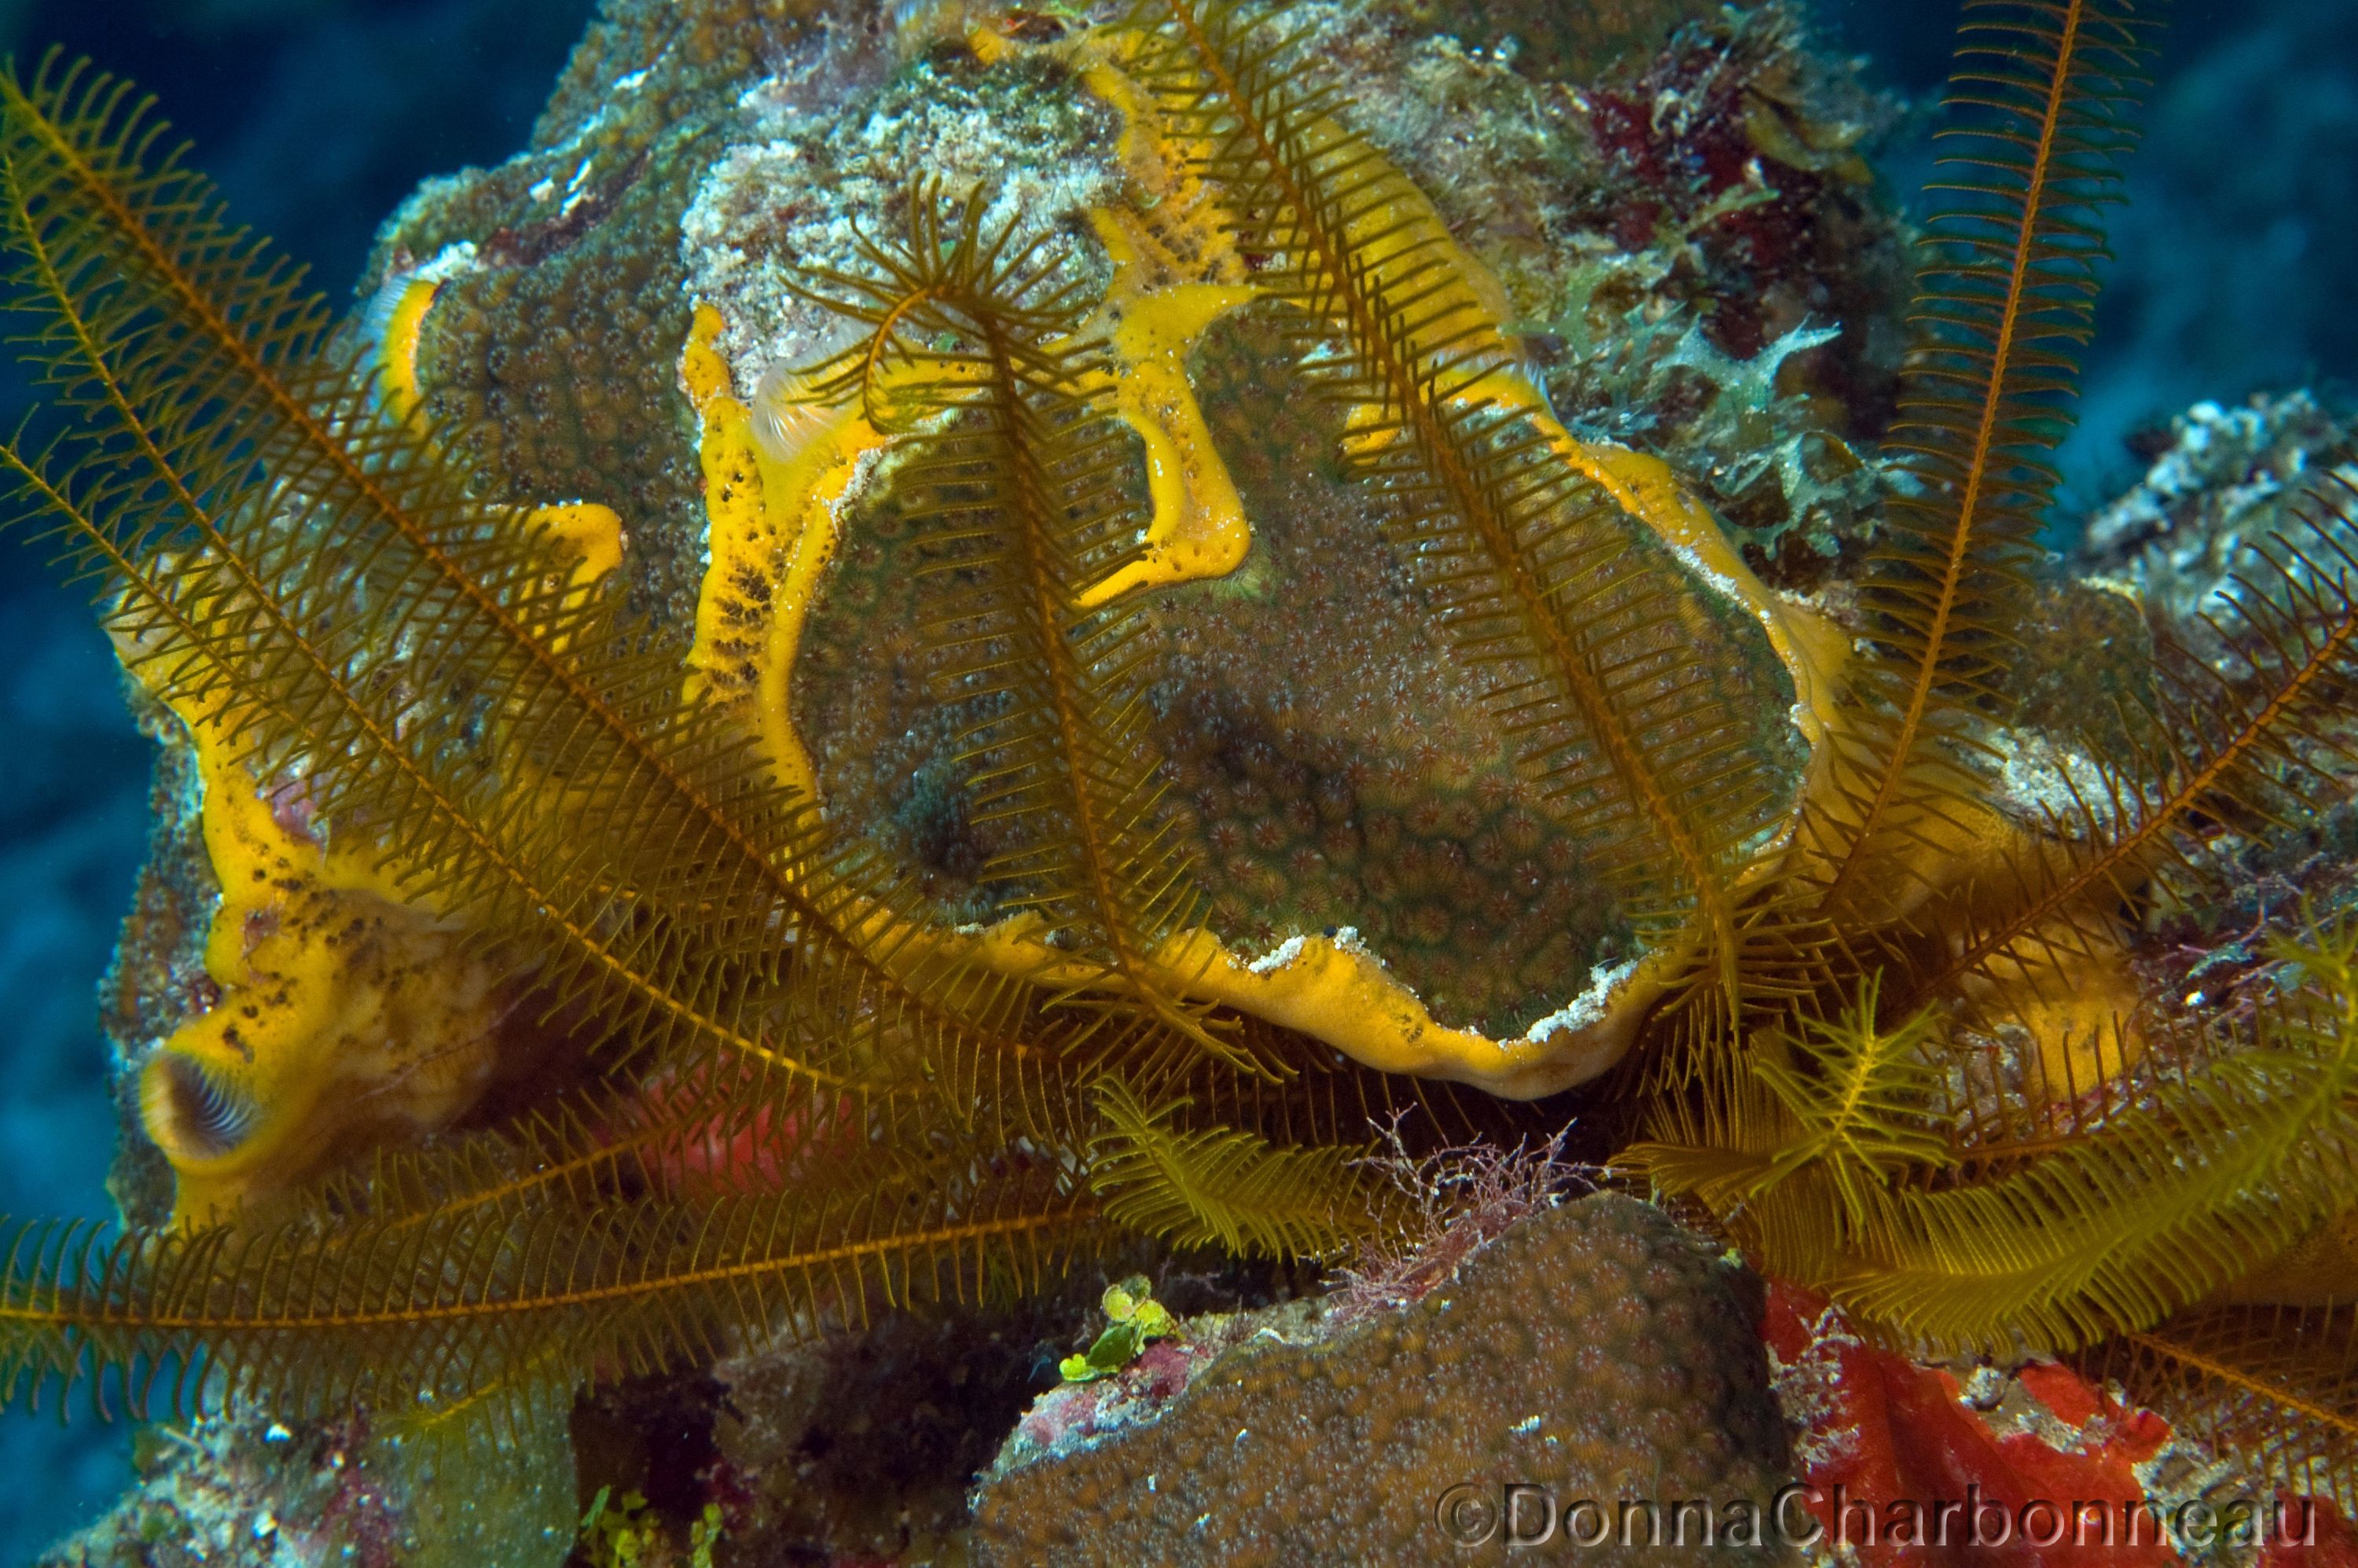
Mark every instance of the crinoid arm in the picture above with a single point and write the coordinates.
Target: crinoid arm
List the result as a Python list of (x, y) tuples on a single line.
[(279, 551), (1848, 1174), (1025, 504), (2277, 1385), (2006, 297), (477, 1307), (1220, 1187), (1624, 689)]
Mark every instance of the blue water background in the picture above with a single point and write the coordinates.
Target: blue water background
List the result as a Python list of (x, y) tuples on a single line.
[(317, 115)]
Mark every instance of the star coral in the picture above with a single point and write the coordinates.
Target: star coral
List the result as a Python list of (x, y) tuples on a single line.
[(1623, 1349), (1075, 809)]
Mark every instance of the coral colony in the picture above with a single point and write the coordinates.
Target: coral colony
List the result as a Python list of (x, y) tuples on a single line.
[(933, 659)]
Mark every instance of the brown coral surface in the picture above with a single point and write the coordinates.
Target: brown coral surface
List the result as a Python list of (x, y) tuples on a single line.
[(1596, 1349)]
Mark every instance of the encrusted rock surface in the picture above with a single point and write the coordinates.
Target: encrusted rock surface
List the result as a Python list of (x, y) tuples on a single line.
[(2223, 484), (247, 1492)]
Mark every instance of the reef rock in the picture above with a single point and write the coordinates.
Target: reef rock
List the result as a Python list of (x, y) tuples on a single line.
[(1665, 240)]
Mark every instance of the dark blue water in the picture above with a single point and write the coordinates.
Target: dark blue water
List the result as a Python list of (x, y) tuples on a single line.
[(317, 115), (2243, 217)]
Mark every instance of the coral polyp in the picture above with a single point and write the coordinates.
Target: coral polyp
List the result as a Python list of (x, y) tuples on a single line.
[(1119, 630)]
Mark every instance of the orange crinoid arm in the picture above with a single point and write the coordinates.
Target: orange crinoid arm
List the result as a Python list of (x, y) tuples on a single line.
[(2005, 295), (1620, 689)]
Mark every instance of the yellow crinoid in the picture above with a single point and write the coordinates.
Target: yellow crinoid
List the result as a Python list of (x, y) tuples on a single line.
[(777, 1056)]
